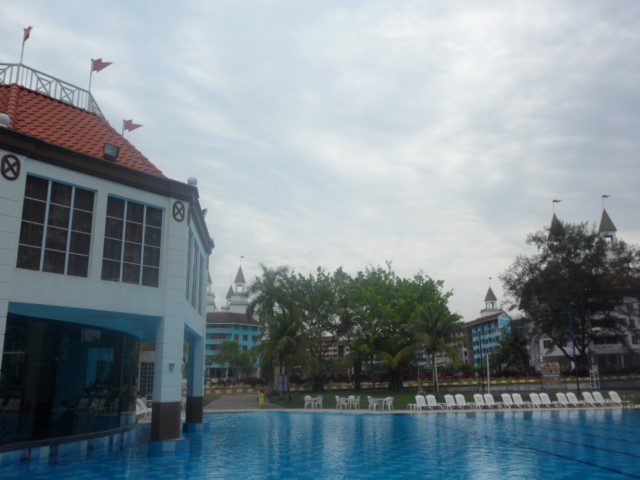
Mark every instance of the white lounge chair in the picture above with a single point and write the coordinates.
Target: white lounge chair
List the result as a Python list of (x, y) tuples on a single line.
[(341, 403), (507, 401), (545, 400), (432, 403), (461, 402), (414, 406), (599, 399), (517, 400), (562, 400), (616, 400), (535, 400), (490, 401), (573, 400), (449, 402), (141, 408), (420, 404), (588, 399), (478, 400)]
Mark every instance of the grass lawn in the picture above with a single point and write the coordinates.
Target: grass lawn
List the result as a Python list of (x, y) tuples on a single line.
[(208, 398), (400, 399)]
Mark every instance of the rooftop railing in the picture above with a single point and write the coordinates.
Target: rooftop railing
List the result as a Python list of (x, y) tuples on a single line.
[(46, 84)]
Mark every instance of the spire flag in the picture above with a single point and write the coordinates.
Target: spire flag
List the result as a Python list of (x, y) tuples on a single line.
[(604, 197), (129, 126), (25, 36), (96, 66)]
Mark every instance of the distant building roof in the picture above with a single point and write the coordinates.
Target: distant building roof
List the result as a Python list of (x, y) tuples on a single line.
[(487, 318), (490, 296), (229, 292), (70, 127), (230, 317), (239, 277), (555, 230), (606, 225)]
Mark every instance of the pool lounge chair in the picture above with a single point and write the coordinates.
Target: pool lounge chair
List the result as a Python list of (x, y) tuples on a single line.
[(449, 402), (599, 399), (562, 400), (490, 401), (535, 400), (518, 402), (432, 403), (588, 399), (421, 401), (414, 406), (141, 409), (545, 400), (616, 400), (573, 400), (507, 401), (461, 402), (478, 400)]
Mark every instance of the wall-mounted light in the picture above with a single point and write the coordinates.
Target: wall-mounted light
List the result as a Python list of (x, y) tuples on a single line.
[(111, 152)]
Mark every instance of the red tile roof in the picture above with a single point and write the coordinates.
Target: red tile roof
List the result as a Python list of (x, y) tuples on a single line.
[(70, 127)]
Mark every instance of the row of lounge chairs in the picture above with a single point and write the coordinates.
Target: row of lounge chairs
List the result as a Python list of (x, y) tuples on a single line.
[(536, 400), (11, 406)]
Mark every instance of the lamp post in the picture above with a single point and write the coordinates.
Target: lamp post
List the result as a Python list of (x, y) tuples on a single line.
[(488, 374)]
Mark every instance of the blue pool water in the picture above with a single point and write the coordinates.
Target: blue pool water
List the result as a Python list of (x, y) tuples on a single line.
[(280, 445)]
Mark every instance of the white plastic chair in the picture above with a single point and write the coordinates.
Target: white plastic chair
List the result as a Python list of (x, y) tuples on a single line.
[(478, 400), (588, 399), (573, 400), (461, 402), (517, 400), (507, 401), (373, 403), (432, 403), (535, 400), (449, 402), (599, 399), (545, 400), (387, 403), (562, 400), (616, 400), (490, 401), (341, 403), (318, 401), (308, 402)]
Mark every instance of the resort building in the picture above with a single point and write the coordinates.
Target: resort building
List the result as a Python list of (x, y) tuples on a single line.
[(483, 334), (610, 352), (99, 253), (230, 323), (334, 349)]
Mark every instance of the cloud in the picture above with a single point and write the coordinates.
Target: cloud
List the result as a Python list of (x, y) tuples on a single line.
[(349, 133)]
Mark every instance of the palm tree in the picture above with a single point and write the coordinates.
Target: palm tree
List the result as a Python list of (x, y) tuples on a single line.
[(513, 348), (436, 329)]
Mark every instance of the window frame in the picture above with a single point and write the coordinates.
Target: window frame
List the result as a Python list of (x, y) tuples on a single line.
[(68, 228), (143, 245)]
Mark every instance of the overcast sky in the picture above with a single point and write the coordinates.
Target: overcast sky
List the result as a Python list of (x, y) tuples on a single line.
[(431, 134)]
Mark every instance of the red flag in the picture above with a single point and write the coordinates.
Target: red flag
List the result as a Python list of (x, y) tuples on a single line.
[(555, 200), (27, 32), (98, 64), (129, 125), (605, 196)]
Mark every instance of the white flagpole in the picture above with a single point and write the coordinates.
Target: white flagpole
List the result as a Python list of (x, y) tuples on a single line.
[(90, 75), (22, 49)]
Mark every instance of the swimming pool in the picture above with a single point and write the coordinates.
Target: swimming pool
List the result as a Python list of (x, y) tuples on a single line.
[(585, 444)]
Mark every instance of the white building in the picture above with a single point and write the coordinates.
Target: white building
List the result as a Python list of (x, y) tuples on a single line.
[(99, 251)]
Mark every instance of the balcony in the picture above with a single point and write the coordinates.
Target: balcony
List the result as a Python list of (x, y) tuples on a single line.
[(53, 87)]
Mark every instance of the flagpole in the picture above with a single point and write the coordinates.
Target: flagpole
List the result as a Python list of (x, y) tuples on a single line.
[(90, 75), (22, 49)]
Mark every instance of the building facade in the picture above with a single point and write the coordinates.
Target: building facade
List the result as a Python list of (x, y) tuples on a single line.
[(230, 323), (484, 333), (99, 252)]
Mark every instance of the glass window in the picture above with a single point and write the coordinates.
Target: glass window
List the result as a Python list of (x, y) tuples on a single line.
[(133, 233), (55, 233)]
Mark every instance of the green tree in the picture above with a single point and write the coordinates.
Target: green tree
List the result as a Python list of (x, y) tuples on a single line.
[(436, 329), (574, 282), (512, 351), (229, 353)]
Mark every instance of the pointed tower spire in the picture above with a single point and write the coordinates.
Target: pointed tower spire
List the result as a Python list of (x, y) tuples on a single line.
[(606, 224), (229, 293), (490, 296), (239, 277), (555, 230)]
